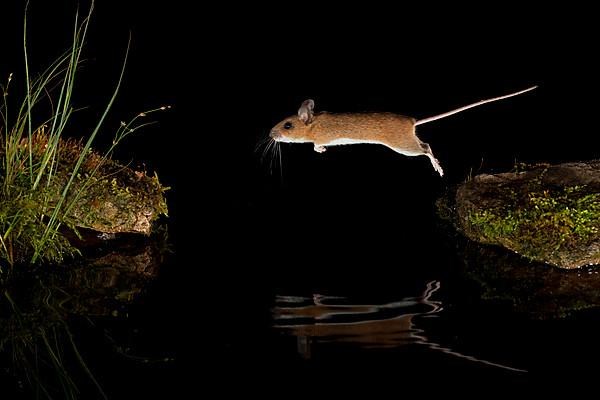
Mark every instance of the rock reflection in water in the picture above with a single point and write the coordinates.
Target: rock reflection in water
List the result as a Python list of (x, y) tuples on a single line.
[(37, 309), (330, 319), (539, 290)]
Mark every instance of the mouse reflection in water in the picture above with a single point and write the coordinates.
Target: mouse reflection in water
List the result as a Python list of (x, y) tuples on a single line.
[(328, 319)]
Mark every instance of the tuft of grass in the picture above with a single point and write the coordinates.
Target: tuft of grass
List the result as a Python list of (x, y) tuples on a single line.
[(36, 198)]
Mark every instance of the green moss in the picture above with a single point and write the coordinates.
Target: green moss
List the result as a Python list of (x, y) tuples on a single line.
[(541, 221), (109, 198)]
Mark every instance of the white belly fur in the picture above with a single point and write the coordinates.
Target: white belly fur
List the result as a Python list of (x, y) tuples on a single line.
[(338, 142)]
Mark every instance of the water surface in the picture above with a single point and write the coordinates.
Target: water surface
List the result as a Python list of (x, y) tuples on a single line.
[(98, 327)]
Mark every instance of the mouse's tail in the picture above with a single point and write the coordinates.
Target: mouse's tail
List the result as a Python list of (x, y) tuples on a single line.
[(479, 103)]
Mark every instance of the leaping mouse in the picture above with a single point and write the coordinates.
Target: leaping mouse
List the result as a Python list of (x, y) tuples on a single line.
[(392, 130)]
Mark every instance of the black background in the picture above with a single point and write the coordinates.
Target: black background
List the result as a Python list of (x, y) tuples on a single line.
[(346, 219)]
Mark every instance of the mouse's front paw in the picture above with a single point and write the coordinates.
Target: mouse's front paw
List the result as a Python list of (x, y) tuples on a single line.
[(320, 149)]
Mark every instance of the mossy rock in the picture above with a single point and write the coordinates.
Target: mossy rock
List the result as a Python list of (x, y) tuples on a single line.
[(115, 199), (549, 214)]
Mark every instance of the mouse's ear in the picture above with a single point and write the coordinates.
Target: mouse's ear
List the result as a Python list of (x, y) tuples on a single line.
[(305, 112)]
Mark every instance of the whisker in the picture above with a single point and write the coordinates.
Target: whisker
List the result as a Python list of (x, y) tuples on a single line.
[(266, 150), (280, 161), (270, 155), (261, 142), (273, 149), (274, 156), (260, 145)]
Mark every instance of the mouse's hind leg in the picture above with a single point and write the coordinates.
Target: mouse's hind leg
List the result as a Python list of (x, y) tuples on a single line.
[(434, 162)]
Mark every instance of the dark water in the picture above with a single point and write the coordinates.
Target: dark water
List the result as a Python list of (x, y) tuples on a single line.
[(332, 271), (403, 314), (99, 325)]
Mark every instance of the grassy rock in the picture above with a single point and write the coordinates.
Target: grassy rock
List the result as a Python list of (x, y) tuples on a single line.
[(546, 213), (112, 198), (104, 196)]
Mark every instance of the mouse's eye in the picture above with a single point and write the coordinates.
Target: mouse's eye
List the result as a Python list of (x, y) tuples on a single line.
[(288, 125)]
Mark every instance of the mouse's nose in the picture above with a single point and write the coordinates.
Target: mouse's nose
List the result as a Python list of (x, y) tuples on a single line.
[(274, 135)]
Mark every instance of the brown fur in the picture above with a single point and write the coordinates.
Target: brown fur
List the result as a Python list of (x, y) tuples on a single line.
[(392, 130), (324, 129)]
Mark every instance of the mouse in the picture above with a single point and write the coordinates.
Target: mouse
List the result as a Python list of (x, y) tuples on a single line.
[(394, 131)]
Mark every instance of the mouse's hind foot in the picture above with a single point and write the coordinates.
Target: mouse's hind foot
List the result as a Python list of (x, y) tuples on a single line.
[(434, 162)]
